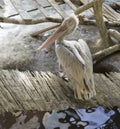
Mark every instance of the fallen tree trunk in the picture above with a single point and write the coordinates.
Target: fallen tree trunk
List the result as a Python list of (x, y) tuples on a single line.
[(45, 91)]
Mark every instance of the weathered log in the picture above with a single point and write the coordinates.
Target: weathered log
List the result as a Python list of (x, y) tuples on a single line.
[(111, 49), (105, 52), (74, 1), (46, 91), (115, 34), (44, 30), (97, 7), (110, 14), (84, 7), (34, 21)]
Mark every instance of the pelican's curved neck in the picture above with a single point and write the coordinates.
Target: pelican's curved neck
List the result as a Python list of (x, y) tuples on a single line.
[(60, 40)]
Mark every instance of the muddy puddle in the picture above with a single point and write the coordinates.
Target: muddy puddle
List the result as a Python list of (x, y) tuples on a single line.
[(91, 118)]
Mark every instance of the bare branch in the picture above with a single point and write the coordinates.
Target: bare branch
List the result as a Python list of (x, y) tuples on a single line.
[(103, 53), (115, 34), (44, 30), (100, 23), (83, 8), (33, 21)]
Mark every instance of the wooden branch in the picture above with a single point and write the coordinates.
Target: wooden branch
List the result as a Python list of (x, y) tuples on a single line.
[(77, 2), (44, 30), (18, 6), (57, 8), (34, 21), (110, 14), (86, 21), (105, 52), (112, 24), (51, 19), (70, 4), (28, 20), (40, 8), (100, 23), (115, 34), (83, 8)]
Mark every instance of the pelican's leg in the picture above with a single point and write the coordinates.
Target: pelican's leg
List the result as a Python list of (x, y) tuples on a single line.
[(89, 88), (62, 74), (84, 92), (78, 90), (86, 95), (76, 95)]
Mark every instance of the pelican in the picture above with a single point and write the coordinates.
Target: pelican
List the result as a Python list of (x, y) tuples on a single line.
[(74, 57)]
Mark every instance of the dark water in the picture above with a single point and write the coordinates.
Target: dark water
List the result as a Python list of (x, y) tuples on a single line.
[(90, 118)]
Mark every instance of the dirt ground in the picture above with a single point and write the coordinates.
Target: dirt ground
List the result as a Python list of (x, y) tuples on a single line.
[(17, 47)]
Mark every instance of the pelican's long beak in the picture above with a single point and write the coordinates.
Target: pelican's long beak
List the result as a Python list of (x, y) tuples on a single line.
[(52, 39), (67, 26)]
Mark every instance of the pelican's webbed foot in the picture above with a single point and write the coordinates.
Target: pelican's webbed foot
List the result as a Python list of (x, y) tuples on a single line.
[(84, 94), (63, 75)]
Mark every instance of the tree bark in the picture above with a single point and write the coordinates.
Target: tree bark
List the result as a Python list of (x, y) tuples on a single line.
[(97, 7)]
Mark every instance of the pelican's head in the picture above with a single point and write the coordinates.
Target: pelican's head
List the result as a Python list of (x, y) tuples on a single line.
[(67, 27)]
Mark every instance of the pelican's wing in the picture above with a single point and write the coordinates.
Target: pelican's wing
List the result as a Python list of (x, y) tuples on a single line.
[(72, 46), (78, 56), (71, 60)]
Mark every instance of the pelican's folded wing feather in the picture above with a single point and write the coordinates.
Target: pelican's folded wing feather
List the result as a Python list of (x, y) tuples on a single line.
[(72, 47)]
